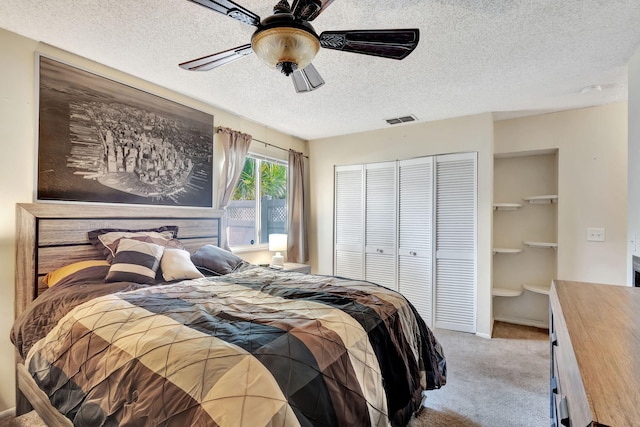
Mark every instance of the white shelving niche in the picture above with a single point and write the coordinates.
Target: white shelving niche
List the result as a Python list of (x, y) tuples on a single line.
[(547, 245), (507, 251), (506, 206), (524, 236), (542, 200)]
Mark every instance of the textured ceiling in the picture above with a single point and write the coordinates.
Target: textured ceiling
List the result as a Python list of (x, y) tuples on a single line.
[(509, 57)]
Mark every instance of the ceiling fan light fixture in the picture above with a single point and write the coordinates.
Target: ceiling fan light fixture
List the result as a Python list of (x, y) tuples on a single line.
[(306, 80), (285, 48), (288, 42)]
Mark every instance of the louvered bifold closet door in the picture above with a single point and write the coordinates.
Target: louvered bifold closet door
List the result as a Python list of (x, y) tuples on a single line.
[(349, 222), (456, 201), (415, 234), (380, 223)]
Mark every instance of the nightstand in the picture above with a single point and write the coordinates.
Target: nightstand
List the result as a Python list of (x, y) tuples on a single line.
[(300, 268)]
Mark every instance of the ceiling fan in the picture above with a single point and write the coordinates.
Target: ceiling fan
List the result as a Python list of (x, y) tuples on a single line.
[(287, 42)]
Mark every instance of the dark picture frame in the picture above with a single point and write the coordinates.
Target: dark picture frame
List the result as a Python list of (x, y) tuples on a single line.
[(100, 140)]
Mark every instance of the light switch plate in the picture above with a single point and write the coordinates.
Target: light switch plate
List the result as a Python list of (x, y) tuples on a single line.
[(595, 234)]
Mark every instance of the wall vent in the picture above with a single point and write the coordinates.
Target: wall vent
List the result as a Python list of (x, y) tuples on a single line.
[(403, 119)]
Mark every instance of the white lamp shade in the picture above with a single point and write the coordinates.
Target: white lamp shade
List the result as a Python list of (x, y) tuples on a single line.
[(277, 244)]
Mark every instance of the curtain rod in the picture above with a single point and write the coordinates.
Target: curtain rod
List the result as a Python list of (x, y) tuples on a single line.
[(274, 146), (218, 130)]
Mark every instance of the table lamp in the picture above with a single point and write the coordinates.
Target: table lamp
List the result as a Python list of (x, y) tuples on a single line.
[(277, 244)]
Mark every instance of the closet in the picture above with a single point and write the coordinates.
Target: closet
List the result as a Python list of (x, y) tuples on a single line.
[(410, 225), (525, 236), (380, 215)]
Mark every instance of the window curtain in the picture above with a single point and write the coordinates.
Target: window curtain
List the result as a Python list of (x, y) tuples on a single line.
[(235, 146), (297, 245)]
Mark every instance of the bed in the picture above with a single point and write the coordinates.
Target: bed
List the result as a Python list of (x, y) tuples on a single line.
[(230, 344)]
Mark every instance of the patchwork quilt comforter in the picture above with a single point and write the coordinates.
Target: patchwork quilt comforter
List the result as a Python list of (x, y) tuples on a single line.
[(254, 348)]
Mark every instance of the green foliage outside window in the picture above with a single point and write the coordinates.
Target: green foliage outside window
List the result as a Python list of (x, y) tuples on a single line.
[(273, 181)]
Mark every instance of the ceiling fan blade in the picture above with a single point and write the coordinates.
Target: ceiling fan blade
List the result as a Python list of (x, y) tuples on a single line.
[(308, 10), (307, 79), (394, 44), (231, 9), (210, 62)]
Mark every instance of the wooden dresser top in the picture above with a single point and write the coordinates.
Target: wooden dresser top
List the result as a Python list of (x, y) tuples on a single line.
[(603, 323)]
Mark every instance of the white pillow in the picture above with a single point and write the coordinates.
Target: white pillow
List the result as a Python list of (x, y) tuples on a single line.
[(176, 264)]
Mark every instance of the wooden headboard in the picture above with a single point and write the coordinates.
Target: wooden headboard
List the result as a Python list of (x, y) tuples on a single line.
[(49, 236)]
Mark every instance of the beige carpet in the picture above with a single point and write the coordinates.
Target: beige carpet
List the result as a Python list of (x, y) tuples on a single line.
[(27, 420), (502, 382), (499, 382)]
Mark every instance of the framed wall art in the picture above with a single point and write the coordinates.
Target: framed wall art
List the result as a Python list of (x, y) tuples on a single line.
[(100, 140)]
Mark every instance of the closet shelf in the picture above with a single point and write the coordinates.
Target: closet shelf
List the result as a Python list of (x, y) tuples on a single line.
[(507, 250), (506, 206), (504, 292), (541, 200), (539, 289), (541, 245)]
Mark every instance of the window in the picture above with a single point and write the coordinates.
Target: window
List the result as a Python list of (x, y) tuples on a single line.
[(251, 219)]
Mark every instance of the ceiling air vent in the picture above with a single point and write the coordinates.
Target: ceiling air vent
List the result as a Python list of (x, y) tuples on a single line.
[(403, 119)]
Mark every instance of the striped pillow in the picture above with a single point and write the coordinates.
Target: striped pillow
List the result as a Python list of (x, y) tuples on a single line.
[(106, 239), (135, 261)]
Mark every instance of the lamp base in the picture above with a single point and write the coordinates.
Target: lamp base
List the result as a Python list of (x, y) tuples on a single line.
[(277, 260)]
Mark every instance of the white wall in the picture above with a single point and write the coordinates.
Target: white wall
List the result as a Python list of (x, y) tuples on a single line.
[(473, 133), (633, 217), (17, 162), (16, 175), (592, 184)]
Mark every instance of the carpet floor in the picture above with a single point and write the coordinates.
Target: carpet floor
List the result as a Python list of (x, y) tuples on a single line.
[(501, 382), (27, 420)]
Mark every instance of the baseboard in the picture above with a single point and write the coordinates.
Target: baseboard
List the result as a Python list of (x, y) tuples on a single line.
[(522, 321), (478, 334), (8, 413)]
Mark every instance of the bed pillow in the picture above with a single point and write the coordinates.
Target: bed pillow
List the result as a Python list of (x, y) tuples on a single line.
[(81, 271), (106, 239), (135, 261), (176, 264), (212, 260)]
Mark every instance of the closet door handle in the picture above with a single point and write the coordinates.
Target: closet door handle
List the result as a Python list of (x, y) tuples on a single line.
[(413, 253), (564, 412), (554, 339)]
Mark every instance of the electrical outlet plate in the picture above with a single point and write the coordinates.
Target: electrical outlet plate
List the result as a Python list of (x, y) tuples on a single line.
[(595, 234)]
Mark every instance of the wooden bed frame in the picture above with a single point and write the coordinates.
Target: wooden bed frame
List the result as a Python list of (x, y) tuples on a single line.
[(50, 235)]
